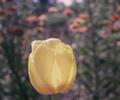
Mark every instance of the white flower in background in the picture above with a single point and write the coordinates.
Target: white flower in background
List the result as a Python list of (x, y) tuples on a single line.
[(79, 1), (35, 1), (66, 2)]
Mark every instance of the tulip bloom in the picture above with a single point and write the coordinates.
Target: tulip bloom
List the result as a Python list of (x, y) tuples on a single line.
[(51, 66)]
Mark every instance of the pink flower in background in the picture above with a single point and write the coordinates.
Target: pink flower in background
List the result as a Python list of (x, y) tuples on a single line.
[(118, 8), (52, 10), (79, 1), (68, 12), (83, 29), (13, 7), (42, 17), (31, 19), (84, 16), (2, 11)]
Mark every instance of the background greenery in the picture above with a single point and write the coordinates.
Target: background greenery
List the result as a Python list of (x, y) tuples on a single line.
[(91, 27)]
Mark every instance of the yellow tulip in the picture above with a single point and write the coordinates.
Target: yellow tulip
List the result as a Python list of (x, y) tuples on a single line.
[(51, 66)]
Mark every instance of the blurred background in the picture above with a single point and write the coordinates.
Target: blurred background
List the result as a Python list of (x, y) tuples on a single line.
[(91, 27)]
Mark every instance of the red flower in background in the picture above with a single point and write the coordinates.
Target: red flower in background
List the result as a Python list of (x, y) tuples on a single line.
[(15, 30), (80, 21), (115, 17), (31, 19), (2, 11), (52, 10), (68, 12), (115, 27), (73, 27), (42, 17), (13, 7), (79, 24), (4, 1), (84, 16), (118, 8), (40, 29)]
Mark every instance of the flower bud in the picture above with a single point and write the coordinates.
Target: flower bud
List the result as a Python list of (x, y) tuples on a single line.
[(51, 66)]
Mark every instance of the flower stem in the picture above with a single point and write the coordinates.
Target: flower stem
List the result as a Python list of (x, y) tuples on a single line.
[(55, 97)]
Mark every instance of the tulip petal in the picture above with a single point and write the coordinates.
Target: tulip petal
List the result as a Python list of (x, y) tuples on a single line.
[(35, 44), (37, 83), (67, 63), (44, 61)]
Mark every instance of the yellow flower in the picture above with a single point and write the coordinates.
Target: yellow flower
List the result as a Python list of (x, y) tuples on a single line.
[(51, 66)]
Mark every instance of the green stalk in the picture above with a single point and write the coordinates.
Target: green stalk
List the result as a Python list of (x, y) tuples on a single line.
[(55, 97), (52, 97)]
